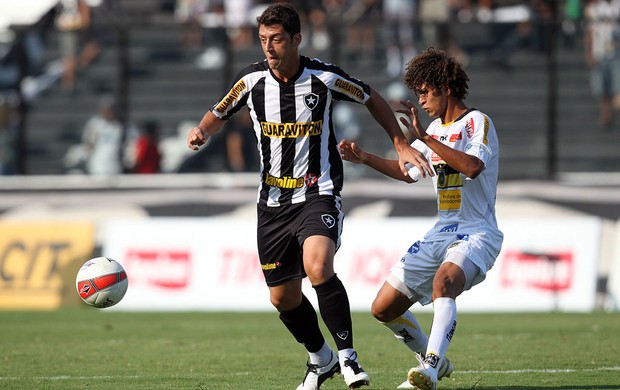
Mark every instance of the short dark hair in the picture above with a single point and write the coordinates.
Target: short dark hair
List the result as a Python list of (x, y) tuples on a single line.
[(434, 69), (281, 13)]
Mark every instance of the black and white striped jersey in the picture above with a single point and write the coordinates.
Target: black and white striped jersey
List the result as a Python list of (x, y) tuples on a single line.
[(293, 126)]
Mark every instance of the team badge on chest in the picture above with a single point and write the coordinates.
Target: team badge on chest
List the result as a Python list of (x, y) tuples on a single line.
[(311, 100)]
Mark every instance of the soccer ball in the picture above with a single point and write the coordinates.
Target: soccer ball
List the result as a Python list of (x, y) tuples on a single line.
[(101, 282)]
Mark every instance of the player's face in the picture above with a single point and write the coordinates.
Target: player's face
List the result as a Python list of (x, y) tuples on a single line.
[(432, 100), (281, 50)]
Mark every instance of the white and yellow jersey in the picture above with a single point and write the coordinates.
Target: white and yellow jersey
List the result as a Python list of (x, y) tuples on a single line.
[(466, 206)]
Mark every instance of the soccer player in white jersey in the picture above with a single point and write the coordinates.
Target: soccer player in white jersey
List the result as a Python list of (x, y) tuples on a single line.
[(458, 251), (299, 209)]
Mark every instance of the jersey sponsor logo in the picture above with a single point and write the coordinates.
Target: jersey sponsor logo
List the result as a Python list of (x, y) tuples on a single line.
[(310, 180), (485, 139), (311, 100), (291, 130), (469, 128), (232, 96), (449, 199), (447, 177), (456, 136), (349, 89), (284, 181)]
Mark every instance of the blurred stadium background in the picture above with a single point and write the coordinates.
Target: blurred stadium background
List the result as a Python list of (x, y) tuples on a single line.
[(559, 192)]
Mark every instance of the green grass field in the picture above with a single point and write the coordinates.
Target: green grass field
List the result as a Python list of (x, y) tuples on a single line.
[(91, 349)]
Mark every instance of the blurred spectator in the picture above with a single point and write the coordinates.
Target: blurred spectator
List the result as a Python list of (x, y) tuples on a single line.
[(602, 43), (72, 20), (241, 153), (400, 18), (314, 24), (174, 148), (238, 24), (147, 153), (102, 140), (9, 132), (435, 16), (190, 14), (361, 17)]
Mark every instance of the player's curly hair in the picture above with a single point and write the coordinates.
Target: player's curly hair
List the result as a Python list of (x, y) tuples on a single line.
[(281, 13), (434, 69)]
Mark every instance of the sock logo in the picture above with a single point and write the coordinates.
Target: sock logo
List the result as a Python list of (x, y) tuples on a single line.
[(451, 332), (405, 335), (343, 335), (432, 360)]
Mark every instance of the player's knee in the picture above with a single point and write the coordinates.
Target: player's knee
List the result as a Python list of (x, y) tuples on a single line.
[(381, 312)]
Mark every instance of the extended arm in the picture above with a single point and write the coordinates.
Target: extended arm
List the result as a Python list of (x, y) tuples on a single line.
[(209, 125), (383, 114), (353, 153), (469, 165)]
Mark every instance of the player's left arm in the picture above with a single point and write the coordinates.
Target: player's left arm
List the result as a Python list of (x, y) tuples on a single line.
[(467, 164)]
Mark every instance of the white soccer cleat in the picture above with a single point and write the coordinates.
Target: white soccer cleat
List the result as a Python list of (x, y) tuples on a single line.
[(445, 370), (421, 377), (315, 375), (354, 374)]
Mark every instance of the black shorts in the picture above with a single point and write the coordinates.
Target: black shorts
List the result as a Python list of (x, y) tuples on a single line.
[(282, 231)]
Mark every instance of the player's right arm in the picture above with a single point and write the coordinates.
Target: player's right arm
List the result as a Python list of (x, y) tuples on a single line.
[(209, 125), (351, 152)]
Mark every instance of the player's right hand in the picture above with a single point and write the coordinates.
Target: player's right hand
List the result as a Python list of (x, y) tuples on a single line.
[(196, 138)]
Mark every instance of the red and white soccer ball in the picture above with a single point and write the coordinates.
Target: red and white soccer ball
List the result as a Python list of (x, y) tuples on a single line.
[(101, 282)]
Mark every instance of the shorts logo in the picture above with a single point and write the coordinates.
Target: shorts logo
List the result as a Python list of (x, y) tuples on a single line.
[(311, 100), (328, 220), (415, 248), (270, 266), (343, 335)]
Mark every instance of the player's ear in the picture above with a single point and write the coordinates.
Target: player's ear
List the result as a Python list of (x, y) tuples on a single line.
[(297, 39)]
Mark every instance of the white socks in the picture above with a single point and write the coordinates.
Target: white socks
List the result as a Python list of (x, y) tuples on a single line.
[(407, 330), (322, 357), (442, 330)]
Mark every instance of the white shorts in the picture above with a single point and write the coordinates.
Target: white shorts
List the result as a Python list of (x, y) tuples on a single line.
[(413, 275)]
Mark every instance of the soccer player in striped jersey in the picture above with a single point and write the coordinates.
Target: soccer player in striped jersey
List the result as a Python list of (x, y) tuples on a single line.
[(299, 208), (458, 251)]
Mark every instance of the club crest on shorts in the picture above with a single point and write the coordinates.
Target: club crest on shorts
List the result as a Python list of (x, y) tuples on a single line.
[(328, 220), (311, 100)]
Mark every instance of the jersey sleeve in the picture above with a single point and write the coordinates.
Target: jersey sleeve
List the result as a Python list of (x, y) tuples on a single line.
[(237, 95), (476, 132), (341, 84)]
